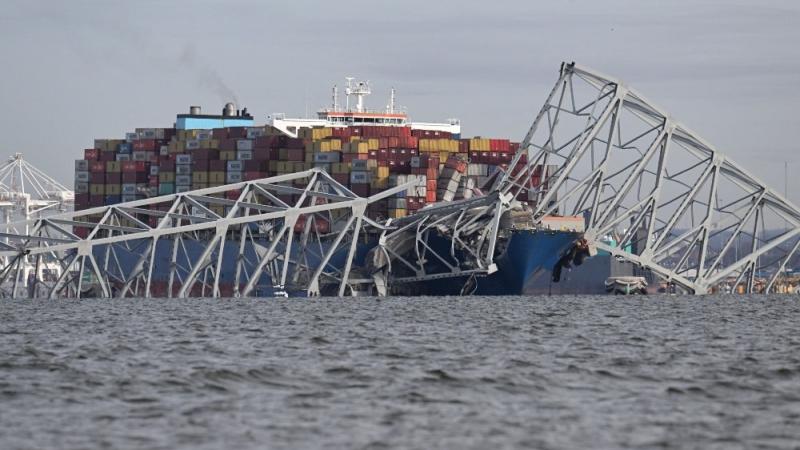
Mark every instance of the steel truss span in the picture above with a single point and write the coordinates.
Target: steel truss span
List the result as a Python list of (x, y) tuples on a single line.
[(674, 203), (249, 232)]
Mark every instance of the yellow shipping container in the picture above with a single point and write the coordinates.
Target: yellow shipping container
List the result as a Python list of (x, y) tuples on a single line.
[(373, 143), (397, 213), (336, 145), (218, 210), (216, 177), (273, 166), (113, 189), (227, 155), (97, 189), (383, 172), (200, 177), (380, 182), (298, 166), (321, 133), (196, 185), (166, 177), (113, 167), (340, 168), (363, 148)]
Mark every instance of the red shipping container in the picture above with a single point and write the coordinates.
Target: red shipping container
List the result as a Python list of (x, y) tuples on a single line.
[(144, 145), (81, 200), (97, 200), (134, 177), (81, 232), (430, 195), (342, 178), (263, 154), (200, 165), (113, 178), (97, 178), (205, 153), (216, 166), (237, 132), (295, 154), (228, 144), (233, 194), (430, 185), (107, 156), (90, 154), (250, 176), (219, 133), (97, 167), (362, 190), (153, 181), (253, 166)]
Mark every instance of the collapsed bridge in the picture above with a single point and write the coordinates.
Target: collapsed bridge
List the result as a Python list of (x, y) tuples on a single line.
[(620, 162)]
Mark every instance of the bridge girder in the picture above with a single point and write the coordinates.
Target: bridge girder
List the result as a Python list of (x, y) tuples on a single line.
[(689, 213)]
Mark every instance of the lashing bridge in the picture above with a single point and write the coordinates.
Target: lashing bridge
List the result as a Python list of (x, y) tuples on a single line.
[(669, 200)]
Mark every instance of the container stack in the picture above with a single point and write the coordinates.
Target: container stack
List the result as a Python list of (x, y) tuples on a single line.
[(366, 160)]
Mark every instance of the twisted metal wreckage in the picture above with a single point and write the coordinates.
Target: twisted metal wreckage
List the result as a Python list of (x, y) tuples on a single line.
[(622, 163)]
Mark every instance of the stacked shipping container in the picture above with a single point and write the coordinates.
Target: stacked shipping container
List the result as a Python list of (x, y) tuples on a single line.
[(367, 160)]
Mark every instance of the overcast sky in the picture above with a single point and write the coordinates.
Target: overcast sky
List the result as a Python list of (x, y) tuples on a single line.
[(76, 70)]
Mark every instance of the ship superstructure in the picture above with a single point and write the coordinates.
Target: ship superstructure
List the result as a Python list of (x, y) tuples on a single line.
[(358, 114)]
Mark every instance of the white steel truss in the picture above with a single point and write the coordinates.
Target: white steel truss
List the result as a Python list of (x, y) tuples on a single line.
[(300, 231), (673, 203), (633, 172)]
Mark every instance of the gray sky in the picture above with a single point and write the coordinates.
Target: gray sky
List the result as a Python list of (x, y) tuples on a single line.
[(76, 70)]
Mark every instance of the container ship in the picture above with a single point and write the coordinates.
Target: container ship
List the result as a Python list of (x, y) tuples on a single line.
[(367, 151)]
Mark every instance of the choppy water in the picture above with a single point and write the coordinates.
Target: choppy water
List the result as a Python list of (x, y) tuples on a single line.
[(548, 372)]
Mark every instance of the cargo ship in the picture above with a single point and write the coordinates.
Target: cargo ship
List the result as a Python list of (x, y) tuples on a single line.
[(368, 151)]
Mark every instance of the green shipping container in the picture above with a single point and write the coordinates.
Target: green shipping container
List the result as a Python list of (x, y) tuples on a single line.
[(166, 188)]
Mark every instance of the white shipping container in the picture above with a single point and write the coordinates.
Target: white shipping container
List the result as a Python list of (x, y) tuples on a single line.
[(128, 189), (153, 170), (81, 165), (203, 135), (139, 156), (182, 188), (357, 164), (130, 137), (192, 144), (123, 157), (244, 155), (183, 159), (183, 169), (146, 133), (164, 150), (359, 177), (244, 144), (82, 176), (235, 166), (330, 157), (255, 132), (81, 187), (183, 180), (233, 177)]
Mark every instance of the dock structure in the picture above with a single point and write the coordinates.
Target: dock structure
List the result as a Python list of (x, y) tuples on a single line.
[(624, 165)]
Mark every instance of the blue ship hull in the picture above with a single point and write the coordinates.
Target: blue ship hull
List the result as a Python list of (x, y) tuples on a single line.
[(527, 253)]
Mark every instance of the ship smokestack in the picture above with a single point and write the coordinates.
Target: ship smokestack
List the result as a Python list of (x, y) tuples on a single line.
[(229, 110), (194, 110)]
